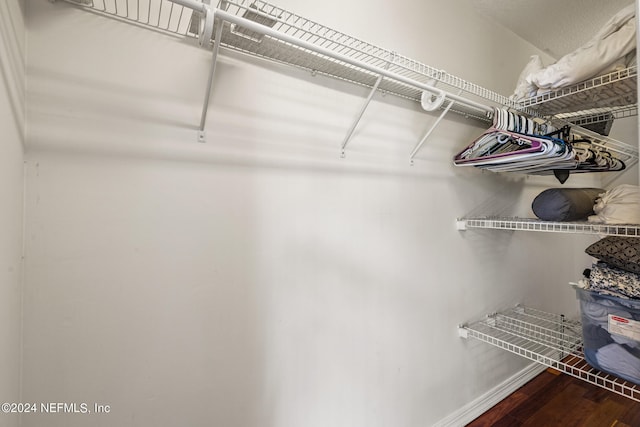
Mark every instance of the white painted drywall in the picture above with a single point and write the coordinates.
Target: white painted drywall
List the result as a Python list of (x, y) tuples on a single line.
[(12, 69), (259, 279), (540, 21)]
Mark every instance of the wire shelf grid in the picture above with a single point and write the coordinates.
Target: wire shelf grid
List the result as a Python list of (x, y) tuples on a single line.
[(532, 224), (178, 20), (548, 339), (162, 15), (560, 335), (407, 78), (616, 89), (596, 115)]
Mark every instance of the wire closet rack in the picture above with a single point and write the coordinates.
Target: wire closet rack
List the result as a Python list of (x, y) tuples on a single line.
[(617, 91), (548, 339), (531, 224), (261, 29), (265, 30)]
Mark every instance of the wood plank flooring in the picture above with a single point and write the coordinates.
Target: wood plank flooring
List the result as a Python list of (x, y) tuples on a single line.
[(553, 399)]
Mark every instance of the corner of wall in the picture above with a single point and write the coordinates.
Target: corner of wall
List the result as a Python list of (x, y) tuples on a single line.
[(12, 121)]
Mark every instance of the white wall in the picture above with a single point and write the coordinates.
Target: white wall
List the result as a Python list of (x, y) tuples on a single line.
[(12, 68), (625, 129), (259, 279)]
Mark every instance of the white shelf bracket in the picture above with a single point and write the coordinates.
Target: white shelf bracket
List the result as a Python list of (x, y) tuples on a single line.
[(209, 19), (432, 106), (461, 224), (373, 90)]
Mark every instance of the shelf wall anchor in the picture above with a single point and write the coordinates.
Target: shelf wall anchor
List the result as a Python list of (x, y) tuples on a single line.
[(463, 332)]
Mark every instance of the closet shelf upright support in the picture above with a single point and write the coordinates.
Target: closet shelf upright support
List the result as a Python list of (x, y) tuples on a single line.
[(212, 72), (373, 90)]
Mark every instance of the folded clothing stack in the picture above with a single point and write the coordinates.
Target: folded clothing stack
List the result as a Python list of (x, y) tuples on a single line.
[(610, 307)]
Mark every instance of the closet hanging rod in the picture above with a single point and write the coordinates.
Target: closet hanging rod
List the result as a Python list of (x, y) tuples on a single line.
[(194, 5), (259, 28)]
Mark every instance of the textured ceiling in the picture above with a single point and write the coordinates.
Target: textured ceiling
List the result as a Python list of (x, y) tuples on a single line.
[(556, 27)]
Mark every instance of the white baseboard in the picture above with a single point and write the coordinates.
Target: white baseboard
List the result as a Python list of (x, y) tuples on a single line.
[(479, 406)]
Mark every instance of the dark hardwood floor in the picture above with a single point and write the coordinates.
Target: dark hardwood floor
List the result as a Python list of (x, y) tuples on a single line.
[(553, 399)]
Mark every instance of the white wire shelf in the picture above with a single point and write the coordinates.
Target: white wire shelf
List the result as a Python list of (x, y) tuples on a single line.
[(533, 224), (596, 115), (263, 30), (175, 19), (616, 90), (548, 339)]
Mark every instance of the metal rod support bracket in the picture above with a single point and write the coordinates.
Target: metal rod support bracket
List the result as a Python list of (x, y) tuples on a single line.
[(212, 71), (373, 90), (352, 129), (435, 124)]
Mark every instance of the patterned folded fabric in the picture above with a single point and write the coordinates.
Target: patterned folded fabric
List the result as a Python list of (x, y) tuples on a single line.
[(609, 279), (618, 251)]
